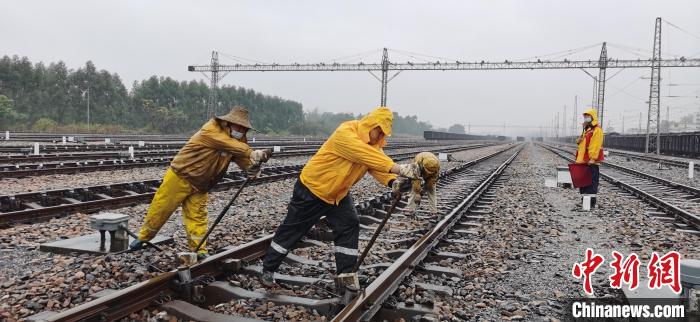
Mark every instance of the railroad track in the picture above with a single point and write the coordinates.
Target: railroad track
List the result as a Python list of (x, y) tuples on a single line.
[(47, 149), (63, 148), (678, 203), (665, 161), (166, 150), (649, 158), (464, 194), (58, 137), (35, 206), (144, 159)]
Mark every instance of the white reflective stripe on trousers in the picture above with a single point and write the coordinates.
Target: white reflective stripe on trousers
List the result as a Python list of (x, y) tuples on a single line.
[(278, 248), (346, 251)]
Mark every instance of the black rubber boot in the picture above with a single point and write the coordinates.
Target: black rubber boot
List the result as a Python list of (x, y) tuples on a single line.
[(593, 201), (267, 278)]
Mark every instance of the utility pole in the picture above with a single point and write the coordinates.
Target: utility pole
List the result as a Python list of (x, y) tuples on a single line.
[(654, 114), (594, 100), (88, 108), (563, 122), (573, 124), (385, 75), (601, 84), (213, 87), (640, 122), (556, 129), (623, 123), (668, 120)]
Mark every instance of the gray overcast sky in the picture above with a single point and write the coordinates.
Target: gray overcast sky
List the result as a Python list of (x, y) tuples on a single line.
[(137, 39)]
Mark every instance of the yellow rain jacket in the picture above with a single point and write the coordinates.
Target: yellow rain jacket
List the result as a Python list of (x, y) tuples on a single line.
[(205, 157), (590, 143), (347, 155), (199, 165)]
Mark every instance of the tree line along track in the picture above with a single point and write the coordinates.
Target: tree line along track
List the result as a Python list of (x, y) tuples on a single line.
[(680, 201), (144, 159), (42, 205), (209, 276)]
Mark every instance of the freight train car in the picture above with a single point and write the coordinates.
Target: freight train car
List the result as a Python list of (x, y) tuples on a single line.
[(680, 144), (685, 144), (434, 135)]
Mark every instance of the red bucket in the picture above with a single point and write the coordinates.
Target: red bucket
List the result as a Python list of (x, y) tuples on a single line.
[(580, 175)]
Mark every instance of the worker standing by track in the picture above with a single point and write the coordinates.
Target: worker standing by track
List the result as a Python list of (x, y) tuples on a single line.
[(429, 166), (196, 168), (323, 189), (590, 152)]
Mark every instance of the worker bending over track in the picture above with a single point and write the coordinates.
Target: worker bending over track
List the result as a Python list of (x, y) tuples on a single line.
[(196, 168), (429, 166), (322, 189), (590, 152)]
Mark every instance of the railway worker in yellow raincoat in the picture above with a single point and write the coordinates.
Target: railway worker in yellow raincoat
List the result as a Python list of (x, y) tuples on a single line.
[(323, 189), (590, 152), (196, 168), (429, 166)]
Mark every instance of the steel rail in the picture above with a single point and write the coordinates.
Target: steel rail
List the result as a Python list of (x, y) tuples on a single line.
[(680, 213), (123, 302)]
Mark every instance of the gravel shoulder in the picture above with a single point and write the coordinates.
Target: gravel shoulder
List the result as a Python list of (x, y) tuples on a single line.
[(527, 247)]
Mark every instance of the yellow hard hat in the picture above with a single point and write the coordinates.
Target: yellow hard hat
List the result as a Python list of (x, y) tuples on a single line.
[(430, 163)]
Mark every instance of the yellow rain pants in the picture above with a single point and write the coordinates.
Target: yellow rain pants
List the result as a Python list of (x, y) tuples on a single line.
[(173, 192)]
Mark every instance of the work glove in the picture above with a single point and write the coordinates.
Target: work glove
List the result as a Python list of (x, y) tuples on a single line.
[(257, 158), (253, 171), (411, 170), (400, 185), (260, 156)]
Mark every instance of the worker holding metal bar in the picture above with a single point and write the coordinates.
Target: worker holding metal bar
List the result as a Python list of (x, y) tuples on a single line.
[(429, 166), (590, 152), (196, 168), (323, 189)]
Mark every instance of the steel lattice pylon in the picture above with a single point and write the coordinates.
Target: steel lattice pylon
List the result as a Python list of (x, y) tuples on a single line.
[(214, 79), (385, 76), (652, 140), (601, 84)]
